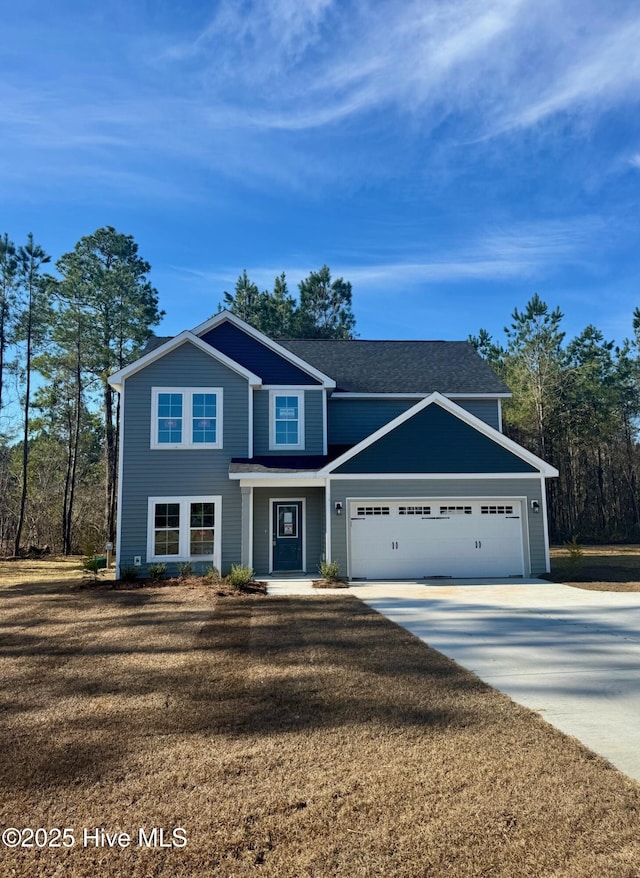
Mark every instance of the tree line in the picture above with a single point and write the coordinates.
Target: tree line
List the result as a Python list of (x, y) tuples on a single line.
[(60, 338), (576, 403)]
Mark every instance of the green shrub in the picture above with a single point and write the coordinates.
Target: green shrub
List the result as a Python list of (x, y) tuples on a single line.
[(185, 569), (212, 574), (329, 570), (129, 573), (94, 566), (576, 555), (157, 571), (240, 576)]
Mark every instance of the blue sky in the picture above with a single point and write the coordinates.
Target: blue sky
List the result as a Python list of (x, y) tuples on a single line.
[(448, 158)]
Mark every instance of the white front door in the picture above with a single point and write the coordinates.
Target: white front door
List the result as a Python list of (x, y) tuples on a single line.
[(412, 539)]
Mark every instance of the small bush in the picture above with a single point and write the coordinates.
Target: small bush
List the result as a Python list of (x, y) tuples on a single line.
[(129, 573), (94, 566), (157, 571), (240, 576), (185, 569), (212, 574), (576, 555), (329, 570)]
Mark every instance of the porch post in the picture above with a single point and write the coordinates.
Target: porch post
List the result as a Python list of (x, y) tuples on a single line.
[(246, 551)]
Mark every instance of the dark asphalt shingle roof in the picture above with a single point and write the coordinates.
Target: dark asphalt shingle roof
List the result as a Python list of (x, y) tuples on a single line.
[(399, 366), (282, 463), (359, 366)]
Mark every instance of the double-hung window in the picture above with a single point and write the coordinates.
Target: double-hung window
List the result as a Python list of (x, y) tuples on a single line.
[(186, 417), (184, 529), (286, 416)]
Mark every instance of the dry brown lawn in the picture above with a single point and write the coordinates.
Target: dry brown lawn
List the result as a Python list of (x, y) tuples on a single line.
[(602, 568), (289, 737)]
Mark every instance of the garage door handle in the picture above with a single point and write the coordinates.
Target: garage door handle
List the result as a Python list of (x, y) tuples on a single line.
[(478, 544), (394, 544)]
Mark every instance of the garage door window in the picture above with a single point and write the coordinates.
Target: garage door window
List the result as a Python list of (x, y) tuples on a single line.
[(497, 510), (414, 510), (373, 510), (455, 510)]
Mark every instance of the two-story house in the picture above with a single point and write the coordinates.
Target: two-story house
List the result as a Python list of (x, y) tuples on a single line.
[(385, 456)]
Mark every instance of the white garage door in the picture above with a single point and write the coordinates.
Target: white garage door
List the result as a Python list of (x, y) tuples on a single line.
[(412, 539)]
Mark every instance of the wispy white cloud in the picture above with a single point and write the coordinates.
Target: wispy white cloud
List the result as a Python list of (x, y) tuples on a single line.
[(271, 91), (524, 251)]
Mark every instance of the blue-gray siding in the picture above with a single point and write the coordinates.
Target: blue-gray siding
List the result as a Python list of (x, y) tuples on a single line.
[(181, 473), (314, 524), (313, 423), (351, 420), (435, 441), (258, 358), (344, 490)]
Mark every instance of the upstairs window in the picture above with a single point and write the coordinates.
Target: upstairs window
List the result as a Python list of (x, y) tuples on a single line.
[(286, 420), (186, 417)]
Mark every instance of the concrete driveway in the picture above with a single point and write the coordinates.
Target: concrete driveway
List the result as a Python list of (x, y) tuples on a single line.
[(569, 654)]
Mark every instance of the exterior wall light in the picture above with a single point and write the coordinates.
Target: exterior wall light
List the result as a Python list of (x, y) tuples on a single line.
[(338, 507)]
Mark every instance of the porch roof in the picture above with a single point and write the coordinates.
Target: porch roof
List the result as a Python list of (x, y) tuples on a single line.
[(294, 463)]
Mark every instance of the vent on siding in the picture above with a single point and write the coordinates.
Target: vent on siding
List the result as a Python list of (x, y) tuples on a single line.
[(372, 510), (455, 510), (496, 510), (414, 510)]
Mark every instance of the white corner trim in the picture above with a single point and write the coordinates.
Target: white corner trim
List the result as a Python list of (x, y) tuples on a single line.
[(325, 424), (120, 483), (117, 378), (250, 421), (545, 522), (286, 354), (463, 415)]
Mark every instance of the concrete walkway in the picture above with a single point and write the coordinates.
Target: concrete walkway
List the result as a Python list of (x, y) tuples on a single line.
[(571, 655)]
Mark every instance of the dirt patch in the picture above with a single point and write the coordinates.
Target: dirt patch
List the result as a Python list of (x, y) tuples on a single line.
[(289, 737)]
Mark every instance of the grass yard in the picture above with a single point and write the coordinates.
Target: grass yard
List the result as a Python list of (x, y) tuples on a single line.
[(601, 568), (290, 737)]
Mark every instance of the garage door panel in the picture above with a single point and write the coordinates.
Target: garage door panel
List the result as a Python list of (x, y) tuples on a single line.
[(457, 538)]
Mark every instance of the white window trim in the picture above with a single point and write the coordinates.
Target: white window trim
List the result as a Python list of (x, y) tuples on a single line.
[(298, 446), (185, 528), (187, 419)]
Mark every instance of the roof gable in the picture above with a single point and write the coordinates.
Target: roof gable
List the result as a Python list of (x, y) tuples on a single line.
[(268, 358), (116, 380), (253, 355), (438, 436)]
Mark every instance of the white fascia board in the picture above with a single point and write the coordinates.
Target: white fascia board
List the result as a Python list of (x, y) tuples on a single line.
[(352, 395), (481, 426), (286, 354), (295, 480), (429, 477), (117, 378)]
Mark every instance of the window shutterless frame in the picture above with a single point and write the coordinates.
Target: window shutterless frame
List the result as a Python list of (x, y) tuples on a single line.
[(186, 418), (286, 420), (184, 529)]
